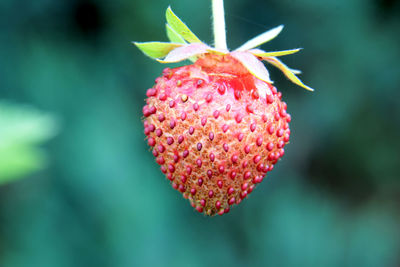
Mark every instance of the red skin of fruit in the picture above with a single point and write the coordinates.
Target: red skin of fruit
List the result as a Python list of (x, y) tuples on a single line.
[(216, 130)]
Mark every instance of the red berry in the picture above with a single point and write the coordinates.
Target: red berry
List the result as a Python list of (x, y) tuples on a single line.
[(217, 137)]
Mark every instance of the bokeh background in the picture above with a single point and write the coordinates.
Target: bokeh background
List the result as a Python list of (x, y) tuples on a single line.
[(71, 92)]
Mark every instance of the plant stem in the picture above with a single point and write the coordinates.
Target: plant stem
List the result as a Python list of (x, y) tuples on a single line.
[(219, 24)]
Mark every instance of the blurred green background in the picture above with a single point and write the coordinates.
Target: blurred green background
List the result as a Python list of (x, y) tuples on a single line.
[(71, 92)]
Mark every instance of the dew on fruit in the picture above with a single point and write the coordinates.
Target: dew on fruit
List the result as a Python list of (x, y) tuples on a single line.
[(211, 136), (184, 98), (240, 137), (176, 158), (172, 124), (162, 97), (271, 129), (280, 132), (199, 146), (151, 92), (171, 168), (193, 191), (160, 160), (237, 94), (244, 164), (203, 120), (212, 157), (231, 190), (188, 170), (170, 140), (151, 141), (216, 114), (163, 169), (286, 138), (170, 176), (238, 118), (247, 149), (234, 158), (209, 98), (183, 178), (182, 188), (183, 116), (270, 146), (221, 169), (270, 99), (199, 162), (256, 159), (259, 141), (161, 117), (199, 83), (161, 148), (226, 147)]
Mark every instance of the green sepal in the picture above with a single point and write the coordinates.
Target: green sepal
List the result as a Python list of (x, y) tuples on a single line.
[(287, 71), (180, 28), (274, 53), (173, 36), (261, 39), (156, 49), (252, 64)]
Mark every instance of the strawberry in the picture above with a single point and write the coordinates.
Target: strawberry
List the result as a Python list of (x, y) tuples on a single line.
[(218, 126)]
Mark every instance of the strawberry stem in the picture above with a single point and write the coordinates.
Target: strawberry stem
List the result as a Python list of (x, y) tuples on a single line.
[(219, 24)]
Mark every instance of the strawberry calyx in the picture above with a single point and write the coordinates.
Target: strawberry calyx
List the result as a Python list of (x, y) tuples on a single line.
[(184, 44)]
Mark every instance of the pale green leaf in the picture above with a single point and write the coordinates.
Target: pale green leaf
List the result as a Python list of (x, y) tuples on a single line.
[(173, 36), (253, 65), (261, 39), (156, 49), (180, 28), (185, 52), (287, 71), (295, 71), (274, 53)]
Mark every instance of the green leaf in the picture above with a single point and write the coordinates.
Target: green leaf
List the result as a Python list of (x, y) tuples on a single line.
[(261, 39), (261, 53), (180, 28), (173, 36), (22, 129), (287, 71), (156, 49), (253, 65), (185, 52)]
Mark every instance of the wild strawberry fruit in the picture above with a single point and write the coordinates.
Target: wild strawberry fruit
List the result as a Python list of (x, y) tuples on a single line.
[(218, 126)]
